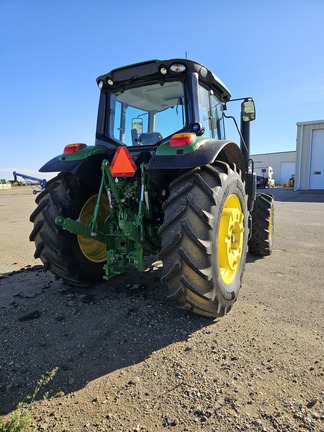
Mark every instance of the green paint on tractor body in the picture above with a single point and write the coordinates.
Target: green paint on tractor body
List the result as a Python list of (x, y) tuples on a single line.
[(166, 149), (85, 153), (127, 232)]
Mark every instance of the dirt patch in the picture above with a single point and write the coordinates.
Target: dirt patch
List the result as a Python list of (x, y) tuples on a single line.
[(129, 360)]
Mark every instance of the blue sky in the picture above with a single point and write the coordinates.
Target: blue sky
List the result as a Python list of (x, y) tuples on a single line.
[(52, 52)]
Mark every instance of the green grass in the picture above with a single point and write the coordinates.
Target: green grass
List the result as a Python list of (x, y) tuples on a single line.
[(19, 420)]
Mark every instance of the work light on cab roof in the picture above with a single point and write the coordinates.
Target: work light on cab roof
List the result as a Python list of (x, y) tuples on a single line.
[(178, 67)]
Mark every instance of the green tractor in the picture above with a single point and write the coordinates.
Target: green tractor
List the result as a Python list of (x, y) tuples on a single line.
[(160, 179)]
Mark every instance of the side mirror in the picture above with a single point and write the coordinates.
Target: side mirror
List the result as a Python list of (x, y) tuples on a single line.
[(248, 110), (137, 123)]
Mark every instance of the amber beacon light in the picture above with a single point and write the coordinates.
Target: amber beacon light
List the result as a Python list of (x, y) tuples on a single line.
[(182, 139)]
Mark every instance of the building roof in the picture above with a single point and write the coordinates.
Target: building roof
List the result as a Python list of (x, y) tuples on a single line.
[(310, 122)]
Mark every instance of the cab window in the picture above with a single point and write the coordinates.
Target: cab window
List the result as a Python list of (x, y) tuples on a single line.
[(210, 114), (147, 114)]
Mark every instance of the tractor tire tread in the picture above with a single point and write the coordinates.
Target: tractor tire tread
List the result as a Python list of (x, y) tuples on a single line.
[(55, 247), (186, 239), (260, 243)]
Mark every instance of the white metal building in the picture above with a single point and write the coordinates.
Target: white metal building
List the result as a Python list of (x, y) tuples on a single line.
[(283, 164), (310, 155)]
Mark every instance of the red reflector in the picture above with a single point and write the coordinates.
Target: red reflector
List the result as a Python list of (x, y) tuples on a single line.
[(73, 148), (122, 164), (182, 139)]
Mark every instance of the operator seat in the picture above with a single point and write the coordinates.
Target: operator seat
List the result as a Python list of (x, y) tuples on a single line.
[(149, 138)]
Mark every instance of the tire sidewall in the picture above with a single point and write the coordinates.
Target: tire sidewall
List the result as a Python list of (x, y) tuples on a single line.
[(88, 271), (232, 185)]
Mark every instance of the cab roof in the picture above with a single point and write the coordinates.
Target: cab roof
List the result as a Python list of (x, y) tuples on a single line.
[(159, 69)]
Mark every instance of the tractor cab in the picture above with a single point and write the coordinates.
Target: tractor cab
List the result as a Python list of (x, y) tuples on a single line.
[(147, 103)]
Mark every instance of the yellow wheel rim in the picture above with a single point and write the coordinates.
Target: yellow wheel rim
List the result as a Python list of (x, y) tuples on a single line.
[(271, 225), (230, 238), (93, 250)]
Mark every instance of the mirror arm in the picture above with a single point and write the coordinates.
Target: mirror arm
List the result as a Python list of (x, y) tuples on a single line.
[(245, 141), (239, 132)]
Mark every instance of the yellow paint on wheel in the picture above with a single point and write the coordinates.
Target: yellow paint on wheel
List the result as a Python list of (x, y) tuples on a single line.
[(230, 238), (271, 224), (93, 250)]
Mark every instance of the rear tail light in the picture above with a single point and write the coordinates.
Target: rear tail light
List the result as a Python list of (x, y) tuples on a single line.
[(73, 148), (182, 139)]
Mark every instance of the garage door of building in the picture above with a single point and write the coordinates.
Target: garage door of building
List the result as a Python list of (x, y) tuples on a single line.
[(316, 179), (287, 169)]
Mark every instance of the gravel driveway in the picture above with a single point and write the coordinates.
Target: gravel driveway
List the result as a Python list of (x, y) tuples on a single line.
[(129, 360)]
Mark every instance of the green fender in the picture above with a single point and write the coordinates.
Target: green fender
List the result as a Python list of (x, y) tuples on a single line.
[(85, 164), (205, 153)]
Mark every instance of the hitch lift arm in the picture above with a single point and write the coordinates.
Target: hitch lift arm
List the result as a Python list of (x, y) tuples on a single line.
[(123, 231)]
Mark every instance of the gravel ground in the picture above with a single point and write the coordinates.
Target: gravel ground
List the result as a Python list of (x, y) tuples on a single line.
[(129, 360)]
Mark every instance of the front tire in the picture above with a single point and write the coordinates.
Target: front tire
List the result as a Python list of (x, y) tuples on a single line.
[(261, 241), (204, 239), (77, 259)]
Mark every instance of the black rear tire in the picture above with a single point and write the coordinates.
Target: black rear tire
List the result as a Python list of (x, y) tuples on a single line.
[(261, 241), (204, 239), (60, 250)]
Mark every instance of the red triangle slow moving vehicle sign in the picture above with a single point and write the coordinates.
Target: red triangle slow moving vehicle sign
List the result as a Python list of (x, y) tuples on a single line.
[(122, 164)]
